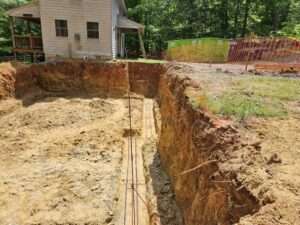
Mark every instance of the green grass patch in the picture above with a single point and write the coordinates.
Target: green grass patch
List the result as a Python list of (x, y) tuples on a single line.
[(252, 97), (142, 60), (285, 89), (243, 107)]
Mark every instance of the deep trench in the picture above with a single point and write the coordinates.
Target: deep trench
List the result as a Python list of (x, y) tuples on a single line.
[(178, 190)]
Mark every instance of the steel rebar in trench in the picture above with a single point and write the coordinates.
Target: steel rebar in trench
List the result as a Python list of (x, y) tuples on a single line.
[(143, 197), (132, 206)]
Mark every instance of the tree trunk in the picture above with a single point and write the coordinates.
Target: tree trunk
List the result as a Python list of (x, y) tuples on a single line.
[(224, 13), (246, 15), (236, 17)]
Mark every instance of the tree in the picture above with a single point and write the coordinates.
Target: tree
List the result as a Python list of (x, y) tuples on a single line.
[(5, 37), (292, 25), (179, 19)]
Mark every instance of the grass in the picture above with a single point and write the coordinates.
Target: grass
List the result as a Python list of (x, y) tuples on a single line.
[(199, 50), (142, 60), (252, 97)]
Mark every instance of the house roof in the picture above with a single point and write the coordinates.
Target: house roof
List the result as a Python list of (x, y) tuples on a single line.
[(27, 9), (35, 3), (126, 23)]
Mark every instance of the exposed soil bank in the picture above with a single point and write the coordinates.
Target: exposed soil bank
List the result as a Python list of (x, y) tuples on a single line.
[(87, 78), (192, 145), (72, 78)]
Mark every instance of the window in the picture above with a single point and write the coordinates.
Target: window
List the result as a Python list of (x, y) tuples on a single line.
[(61, 27), (93, 30)]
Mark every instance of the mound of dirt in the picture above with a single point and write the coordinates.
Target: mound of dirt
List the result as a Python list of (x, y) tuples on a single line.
[(60, 164), (7, 80)]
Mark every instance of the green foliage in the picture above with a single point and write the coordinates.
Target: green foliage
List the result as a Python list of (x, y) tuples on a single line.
[(184, 19), (292, 25), (5, 37), (188, 19)]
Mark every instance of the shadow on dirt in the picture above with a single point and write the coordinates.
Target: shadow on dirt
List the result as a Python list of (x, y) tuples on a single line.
[(162, 189)]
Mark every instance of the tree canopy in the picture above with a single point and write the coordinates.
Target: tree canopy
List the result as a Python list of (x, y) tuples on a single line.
[(5, 33), (177, 19)]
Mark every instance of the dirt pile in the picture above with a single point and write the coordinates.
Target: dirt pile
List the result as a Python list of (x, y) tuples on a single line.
[(7, 80), (60, 163), (279, 69), (272, 171)]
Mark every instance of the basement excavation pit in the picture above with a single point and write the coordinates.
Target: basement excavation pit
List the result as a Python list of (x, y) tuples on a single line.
[(112, 143)]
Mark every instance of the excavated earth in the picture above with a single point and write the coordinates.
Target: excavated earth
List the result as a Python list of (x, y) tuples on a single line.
[(59, 162), (63, 133)]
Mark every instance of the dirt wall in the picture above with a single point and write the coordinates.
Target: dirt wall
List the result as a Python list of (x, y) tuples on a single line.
[(144, 78), (88, 78), (74, 78), (192, 145)]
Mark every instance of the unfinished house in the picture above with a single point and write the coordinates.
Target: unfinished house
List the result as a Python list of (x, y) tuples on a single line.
[(73, 29)]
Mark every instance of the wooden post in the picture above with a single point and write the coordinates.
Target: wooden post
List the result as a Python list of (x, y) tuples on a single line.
[(12, 29), (28, 27), (29, 32), (142, 44)]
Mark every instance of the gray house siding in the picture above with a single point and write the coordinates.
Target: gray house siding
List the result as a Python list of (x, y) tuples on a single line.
[(77, 13)]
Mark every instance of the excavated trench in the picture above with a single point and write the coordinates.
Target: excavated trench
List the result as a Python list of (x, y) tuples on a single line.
[(66, 149)]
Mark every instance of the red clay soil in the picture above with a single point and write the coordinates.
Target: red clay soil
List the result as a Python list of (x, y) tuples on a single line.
[(144, 78), (73, 78), (88, 78)]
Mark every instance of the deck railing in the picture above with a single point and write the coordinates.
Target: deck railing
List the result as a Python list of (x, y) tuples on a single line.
[(28, 42)]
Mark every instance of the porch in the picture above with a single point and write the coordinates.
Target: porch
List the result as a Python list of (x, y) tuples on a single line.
[(25, 26), (126, 25)]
